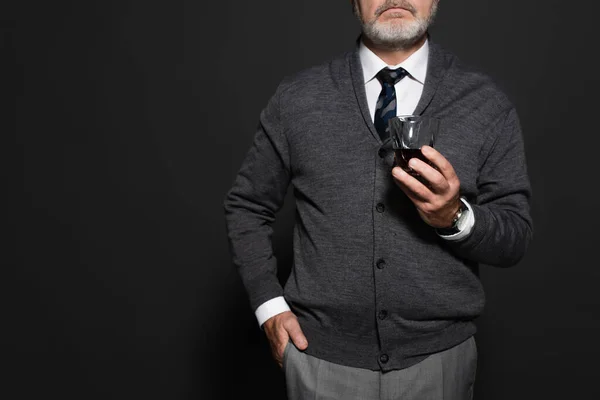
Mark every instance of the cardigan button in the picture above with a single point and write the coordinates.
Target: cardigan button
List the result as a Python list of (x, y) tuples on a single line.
[(380, 207), (384, 358), (380, 264)]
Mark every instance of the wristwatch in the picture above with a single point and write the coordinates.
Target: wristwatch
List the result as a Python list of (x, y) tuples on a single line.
[(460, 216)]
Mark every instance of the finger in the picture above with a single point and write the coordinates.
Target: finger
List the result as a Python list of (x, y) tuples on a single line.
[(436, 182), (415, 190), (282, 343), (277, 351), (296, 334), (437, 159)]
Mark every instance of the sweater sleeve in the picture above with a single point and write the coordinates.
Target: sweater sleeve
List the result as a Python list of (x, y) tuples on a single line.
[(503, 225), (250, 206)]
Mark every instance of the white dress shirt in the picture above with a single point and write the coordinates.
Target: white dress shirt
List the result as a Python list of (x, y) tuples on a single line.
[(408, 90), (408, 94)]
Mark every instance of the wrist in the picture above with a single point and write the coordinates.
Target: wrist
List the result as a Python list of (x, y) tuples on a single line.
[(459, 215), (271, 308), (456, 214)]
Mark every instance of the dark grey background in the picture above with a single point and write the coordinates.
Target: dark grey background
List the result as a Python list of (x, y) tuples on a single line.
[(123, 127)]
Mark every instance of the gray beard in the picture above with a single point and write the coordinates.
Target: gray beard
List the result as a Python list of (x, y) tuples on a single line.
[(396, 36)]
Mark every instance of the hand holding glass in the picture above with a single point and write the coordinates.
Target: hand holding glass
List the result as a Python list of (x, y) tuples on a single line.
[(409, 133)]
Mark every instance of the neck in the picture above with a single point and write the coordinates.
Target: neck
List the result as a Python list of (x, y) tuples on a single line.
[(394, 56)]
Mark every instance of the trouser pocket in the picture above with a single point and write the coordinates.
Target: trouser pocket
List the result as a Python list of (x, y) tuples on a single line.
[(286, 353)]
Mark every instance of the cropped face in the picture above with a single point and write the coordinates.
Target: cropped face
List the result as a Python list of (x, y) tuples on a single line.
[(395, 24)]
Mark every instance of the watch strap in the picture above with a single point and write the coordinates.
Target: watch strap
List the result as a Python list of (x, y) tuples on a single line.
[(453, 229)]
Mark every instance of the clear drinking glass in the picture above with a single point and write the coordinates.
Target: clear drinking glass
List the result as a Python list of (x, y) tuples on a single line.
[(409, 133)]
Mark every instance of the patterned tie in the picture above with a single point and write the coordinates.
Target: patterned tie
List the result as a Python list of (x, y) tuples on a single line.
[(386, 103)]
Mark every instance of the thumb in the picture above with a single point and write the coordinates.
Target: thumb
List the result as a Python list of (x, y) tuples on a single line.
[(297, 336)]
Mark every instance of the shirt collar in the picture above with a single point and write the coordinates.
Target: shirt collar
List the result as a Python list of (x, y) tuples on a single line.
[(415, 65)]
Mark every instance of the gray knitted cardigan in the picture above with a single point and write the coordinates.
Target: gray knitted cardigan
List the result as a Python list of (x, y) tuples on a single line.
[(372, 285)]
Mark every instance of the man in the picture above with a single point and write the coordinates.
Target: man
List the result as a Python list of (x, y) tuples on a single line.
[(384, 289)]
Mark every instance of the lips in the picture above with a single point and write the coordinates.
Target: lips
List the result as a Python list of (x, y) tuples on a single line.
[(395, 9), (396, 6)]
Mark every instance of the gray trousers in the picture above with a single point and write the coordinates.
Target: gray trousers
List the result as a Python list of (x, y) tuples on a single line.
[(447, 375)]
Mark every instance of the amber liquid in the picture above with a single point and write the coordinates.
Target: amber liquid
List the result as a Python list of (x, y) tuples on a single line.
[(403, 156)]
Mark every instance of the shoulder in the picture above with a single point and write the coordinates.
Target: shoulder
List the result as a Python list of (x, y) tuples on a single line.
[(463, 80), (317, 80), (467, 93)]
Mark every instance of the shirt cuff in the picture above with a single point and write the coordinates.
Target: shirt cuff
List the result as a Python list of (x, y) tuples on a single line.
[(465, 226), (270, 309)]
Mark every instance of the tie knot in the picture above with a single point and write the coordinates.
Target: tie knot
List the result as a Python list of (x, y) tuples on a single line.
[(391, 76)]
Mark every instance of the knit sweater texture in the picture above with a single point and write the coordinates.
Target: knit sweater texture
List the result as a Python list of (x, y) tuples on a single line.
[(373, 285)]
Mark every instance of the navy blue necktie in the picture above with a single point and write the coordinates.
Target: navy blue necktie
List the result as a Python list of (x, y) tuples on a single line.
[(386, 103)]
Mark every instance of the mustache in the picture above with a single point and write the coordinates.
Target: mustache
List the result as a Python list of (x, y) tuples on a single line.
[(395, 4)]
